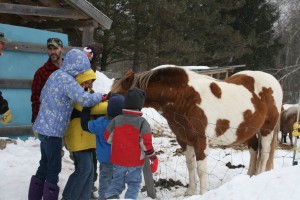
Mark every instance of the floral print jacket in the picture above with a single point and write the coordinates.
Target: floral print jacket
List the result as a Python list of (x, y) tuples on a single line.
[(59, 94)]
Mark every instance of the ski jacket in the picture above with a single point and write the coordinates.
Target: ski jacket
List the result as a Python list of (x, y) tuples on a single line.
[(131, 138), (77, 139), (59, 94), (103, 148)]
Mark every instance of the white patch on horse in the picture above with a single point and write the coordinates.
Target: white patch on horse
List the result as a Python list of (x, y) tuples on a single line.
[(222, 108), (267, 81)]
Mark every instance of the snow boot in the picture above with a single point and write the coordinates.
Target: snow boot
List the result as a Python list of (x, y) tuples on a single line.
[(50, 192), (35, 189)]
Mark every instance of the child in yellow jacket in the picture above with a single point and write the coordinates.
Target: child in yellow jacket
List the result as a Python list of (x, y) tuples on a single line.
[(82, 144)]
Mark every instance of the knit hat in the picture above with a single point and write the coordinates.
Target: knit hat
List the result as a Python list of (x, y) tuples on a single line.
[(115, 105), (88, 52), (85, 76), (134, 99)]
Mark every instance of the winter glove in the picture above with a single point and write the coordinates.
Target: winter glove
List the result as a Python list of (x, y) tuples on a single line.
[(154, 165), (7, 117), (103, 98)]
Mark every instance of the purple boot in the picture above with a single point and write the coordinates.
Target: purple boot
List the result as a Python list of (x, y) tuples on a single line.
[(35, 189), (50, 192)]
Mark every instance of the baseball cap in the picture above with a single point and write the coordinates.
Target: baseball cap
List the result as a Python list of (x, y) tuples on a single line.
[(55, 42), (3, 39)]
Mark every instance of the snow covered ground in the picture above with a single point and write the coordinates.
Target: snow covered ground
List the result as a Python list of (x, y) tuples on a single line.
[(227, 168)]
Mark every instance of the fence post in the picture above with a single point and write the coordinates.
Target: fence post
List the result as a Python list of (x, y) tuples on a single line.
[(149, 182), (296, 134)]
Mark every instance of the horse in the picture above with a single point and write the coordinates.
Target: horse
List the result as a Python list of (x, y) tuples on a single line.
[(287, 119), (200, 110)]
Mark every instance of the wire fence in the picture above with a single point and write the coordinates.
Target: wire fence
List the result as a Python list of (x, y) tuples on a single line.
[(224, 162)]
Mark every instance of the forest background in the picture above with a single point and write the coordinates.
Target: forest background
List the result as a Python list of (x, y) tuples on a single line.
[(262, 34)]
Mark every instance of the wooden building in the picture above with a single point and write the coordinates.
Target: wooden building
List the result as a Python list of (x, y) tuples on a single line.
[(72, 19)]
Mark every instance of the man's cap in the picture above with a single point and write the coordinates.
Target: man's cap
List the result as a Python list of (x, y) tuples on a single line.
[(55, 42), (3, 39)]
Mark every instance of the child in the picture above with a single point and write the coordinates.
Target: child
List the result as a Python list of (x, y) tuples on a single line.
[(82, 145), (131, 139), (98, 126), (58, 95)]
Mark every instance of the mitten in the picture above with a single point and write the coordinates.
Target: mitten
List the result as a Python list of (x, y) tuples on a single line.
[(7, 117), (103, 98), (154, 165)]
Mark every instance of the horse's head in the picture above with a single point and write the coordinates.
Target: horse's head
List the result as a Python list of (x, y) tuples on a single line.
[(121, 85)]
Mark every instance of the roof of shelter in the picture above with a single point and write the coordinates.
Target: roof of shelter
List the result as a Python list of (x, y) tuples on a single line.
[(54, 14)]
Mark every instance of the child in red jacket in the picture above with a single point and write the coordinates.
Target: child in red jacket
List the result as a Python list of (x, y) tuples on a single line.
[(131, 139)]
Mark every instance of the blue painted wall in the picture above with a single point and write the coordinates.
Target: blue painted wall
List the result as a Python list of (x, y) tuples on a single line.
[(22, 65)]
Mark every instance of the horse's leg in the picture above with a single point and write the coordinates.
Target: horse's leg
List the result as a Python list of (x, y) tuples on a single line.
[(191, 165), (284, 135), (265, 143), (291, 137), (253, 147), (201, 150)]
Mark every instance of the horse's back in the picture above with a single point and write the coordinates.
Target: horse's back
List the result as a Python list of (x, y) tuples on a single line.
[(288, 118), (262, 81)]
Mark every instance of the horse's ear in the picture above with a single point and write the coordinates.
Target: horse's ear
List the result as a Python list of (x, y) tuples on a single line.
[(129, 73), (128, 79)]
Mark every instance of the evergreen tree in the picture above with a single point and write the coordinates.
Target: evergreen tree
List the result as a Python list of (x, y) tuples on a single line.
[(255, 21), (188, 32)]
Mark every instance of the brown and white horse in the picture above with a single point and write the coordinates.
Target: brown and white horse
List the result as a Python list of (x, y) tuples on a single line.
[(201, 110), (287, 119)]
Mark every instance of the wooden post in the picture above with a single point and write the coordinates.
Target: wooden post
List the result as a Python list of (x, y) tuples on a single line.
[(149, 182), (87, 35)]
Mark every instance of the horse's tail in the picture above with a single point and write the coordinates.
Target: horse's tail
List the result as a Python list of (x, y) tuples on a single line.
[(273, 145)]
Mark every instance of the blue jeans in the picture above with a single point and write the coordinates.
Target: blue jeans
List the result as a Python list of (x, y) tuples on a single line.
[(106, 174), (50, 163), (80, 182), (132, 176)]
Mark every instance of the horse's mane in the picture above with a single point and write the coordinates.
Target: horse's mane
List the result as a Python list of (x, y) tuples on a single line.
[(130, 79), (141, 80)]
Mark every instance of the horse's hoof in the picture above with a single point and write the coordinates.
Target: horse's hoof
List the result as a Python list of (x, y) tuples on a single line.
[(189, 193)]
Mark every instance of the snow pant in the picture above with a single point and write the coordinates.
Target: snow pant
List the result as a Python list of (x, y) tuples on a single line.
[(80, 182)]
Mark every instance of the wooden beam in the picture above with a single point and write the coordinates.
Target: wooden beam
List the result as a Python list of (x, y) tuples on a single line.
[(40, 11), (32, 47), (62, 24), (87, 36), (15, 83), (91, 11), (6, 131)]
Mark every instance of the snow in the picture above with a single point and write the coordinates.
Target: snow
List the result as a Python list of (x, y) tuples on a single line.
[(19, 162)]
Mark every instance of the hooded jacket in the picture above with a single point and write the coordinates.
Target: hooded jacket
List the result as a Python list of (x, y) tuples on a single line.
[(77, 139), (59, 94)]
